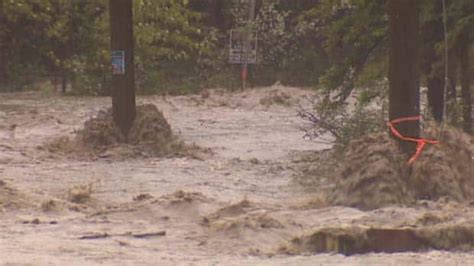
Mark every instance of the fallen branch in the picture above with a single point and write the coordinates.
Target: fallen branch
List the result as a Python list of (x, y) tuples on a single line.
[(95, 236), (135, 235), (151, 234)]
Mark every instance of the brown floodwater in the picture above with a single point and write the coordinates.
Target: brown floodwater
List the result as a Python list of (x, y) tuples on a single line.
[(236, 205)]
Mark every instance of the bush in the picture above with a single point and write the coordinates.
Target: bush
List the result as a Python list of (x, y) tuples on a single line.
[(344, 121)]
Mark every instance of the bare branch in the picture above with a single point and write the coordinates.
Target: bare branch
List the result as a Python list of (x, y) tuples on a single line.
[(318, 123)]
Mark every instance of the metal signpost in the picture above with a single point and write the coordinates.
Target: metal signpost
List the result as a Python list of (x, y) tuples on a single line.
[(243, 45)]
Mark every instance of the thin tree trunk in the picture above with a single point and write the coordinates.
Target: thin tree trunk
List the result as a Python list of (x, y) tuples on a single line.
[(123, 84), (435, 95), (452, 74), (63, 82), (216, 18), (433, 62), (3, 66), (465, 81), (451, 96), (3, 50), (404, 93)]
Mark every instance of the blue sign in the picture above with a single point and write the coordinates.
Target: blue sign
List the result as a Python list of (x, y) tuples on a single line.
[(118, 62)]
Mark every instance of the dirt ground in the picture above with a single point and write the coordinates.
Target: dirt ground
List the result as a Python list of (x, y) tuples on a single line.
[(235, 204)]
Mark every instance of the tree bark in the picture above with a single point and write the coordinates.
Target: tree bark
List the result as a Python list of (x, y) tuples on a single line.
[(63, 82), (216, 19), (451, 94), (123, 85), (403, 73), (452, 74), (433, 63), (3, 48), (465, 81), (3, 66), (435, 84)]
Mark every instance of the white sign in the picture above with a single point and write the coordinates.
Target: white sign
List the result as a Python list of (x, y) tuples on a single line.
[(243, 47)]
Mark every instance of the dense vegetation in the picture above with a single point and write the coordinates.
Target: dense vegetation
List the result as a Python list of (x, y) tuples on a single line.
[(182, 45)]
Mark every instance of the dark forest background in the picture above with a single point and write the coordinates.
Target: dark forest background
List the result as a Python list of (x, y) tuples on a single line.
[(181, 46)]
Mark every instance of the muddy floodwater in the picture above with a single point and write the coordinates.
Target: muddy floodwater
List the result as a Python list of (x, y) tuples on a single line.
[(234, 203)]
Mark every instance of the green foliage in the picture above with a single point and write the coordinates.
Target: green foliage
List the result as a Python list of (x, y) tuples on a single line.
[(344, 121), (46, 38), (182, 45), (287, 49), (70, 39), (274, 35), (171, 42), (168, 30), (353, 37)]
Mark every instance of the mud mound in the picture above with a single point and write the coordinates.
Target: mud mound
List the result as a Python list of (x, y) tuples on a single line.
[(373, 173), (253, 221), (276, 97), (258, 98), (445, 169), (357, 240), (149, 127), (244, 216), (53, 205), (150, 135), (182, 197), (11, 198), (236, 209), (315, 169), (80, 193)]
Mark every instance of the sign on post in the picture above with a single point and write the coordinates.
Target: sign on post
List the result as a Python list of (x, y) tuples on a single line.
[(243, 47), (118, 62)]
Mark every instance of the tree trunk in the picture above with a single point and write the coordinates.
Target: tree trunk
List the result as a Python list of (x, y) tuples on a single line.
[(3, 48), (435, 84), (465, 81), (451, 94), (433, 63), (452, 74), (216, 18), (3, 66), (63, 82), (248, 41), (123, 83), (404, 91)]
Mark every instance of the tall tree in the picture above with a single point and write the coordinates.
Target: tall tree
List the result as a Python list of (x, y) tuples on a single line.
[(215, 14), (123, 80), (248, 39), (404, 93), (3, 48), (465, 80), (354, 37), (432, 60)]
